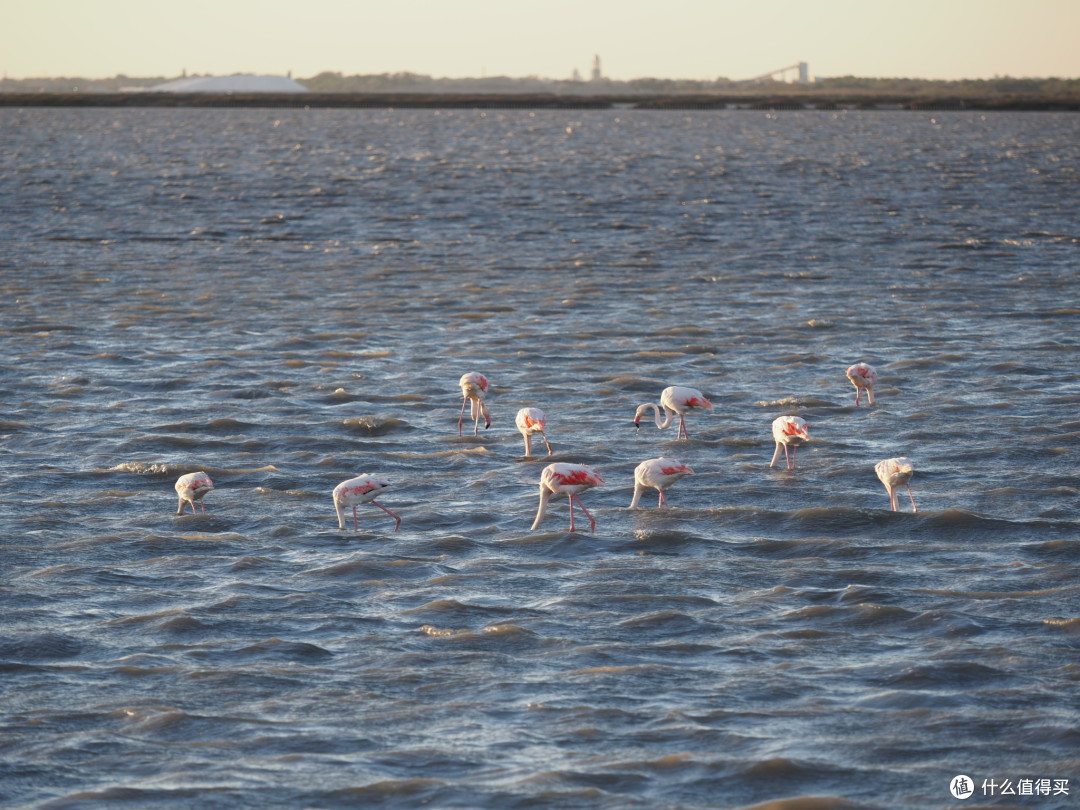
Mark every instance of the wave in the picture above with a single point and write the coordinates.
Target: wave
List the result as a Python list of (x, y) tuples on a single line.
[(796, 402), (811, 803), (163, 468), (375, 426), (223, 425), (956, 525)]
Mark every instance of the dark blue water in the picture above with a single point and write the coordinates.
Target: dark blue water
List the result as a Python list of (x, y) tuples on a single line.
[(286, 299)]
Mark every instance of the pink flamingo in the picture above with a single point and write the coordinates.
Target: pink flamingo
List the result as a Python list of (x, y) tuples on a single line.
[(531, 421), (862, 376), (894, 473), (789, 432), (355, 491), (570, 480), (658, 473), (675, 399), (191, 488), (473, 390)]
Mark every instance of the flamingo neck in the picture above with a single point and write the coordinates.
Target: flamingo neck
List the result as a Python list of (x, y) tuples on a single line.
[(545, 496), (668, 415)]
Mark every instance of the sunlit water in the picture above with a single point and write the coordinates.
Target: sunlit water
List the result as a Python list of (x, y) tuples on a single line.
[(286, 299)]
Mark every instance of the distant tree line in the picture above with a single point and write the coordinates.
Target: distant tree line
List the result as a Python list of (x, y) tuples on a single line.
[(330, 82), (1000, 85), (406, 82)]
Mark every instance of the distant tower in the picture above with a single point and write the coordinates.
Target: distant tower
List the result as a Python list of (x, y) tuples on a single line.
[(804, 73), (596, 74), (575, 76)]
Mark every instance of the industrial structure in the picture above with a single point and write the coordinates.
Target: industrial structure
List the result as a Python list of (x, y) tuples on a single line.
[(782, 74), (236, 83)]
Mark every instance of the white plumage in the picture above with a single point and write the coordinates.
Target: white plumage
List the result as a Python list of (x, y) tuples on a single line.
[(362, 489), (790, 433), (675, 399), (658, 473), (191, 488), (895, 473)]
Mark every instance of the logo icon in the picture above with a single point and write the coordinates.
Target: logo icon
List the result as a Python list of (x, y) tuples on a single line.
[(962, 787)]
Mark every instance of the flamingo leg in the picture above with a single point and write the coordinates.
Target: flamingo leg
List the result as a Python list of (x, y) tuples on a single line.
[(194, 510), (914, 508), (571, 499), (547, 443), (203, 505), (355, 520), (663, 501), (528, 444), (794, 456), (592, 521), (683, 432), (397, 520), (858, 395)]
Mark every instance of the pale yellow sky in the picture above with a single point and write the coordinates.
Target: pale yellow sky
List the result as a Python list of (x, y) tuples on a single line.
[(698, 39)]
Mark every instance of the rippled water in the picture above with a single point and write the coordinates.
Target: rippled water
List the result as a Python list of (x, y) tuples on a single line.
[(286, 299)]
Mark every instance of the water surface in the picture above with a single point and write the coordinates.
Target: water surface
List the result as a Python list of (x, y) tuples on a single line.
[(287, 298)]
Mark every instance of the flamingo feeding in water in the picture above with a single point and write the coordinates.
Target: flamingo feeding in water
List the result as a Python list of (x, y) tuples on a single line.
[(862, 376), (790, 433), (191, 488), (362, 489), (894, 473), (531, 421), (473, 390), (570, 480), (658, 473), (675, 399)]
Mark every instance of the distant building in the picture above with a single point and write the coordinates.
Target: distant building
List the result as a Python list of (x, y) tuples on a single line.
[(597, 76), (237, 83)]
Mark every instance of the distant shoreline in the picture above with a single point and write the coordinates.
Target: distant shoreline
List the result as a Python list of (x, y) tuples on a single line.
[(717, 101)]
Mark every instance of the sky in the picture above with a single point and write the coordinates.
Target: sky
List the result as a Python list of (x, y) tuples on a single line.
[(680, 39)]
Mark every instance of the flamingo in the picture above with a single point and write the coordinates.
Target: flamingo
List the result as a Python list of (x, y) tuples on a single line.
[(862, 376), (531, 421), (473, 389), (789, 432), (675, 399), (658, 473), (362, 489), (568, 479), (893, 473), (192, 487)]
